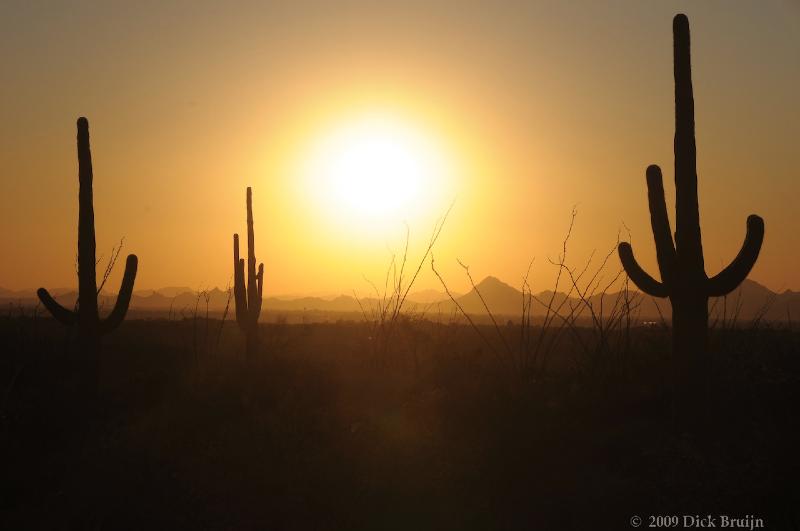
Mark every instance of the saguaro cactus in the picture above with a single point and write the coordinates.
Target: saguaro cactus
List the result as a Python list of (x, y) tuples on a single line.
[(90, 326), (683, 276), (248, 298)]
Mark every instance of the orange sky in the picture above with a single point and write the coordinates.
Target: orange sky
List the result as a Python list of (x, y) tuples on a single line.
[(536, 108)]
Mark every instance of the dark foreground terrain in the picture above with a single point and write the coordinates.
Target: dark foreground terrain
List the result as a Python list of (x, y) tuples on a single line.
[(326, 430)]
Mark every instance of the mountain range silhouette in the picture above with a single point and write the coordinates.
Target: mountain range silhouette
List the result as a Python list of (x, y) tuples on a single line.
[(751, 298)]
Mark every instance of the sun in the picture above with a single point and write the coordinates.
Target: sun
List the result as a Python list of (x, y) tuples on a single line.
[(376, 168)]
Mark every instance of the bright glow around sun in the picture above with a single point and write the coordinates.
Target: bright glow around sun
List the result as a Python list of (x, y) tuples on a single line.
[(376, 169)]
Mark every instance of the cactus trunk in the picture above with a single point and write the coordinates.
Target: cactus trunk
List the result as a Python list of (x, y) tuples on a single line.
[(248, 297), (690, 359), (87, 281), (90, 326), (680, 261)]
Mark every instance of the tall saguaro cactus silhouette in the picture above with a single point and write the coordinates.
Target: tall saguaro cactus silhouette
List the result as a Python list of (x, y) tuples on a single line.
[(683, 276), (86, 317), (248, 298)]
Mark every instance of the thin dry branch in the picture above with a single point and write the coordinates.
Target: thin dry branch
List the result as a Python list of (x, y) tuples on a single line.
[(486, 307), (461, 309)]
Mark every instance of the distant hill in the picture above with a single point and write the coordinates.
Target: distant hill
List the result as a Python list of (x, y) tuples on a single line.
[(429, 296), (750, 300), (170, 291), (499, 297)]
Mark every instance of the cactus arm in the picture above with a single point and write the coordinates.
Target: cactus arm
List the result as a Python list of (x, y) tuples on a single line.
[(238, 284), (61, 314), (241, 315), (687, 218), (665, 248), (260, 280), (645, 282), (733, 275), (87, 281), (117, 315)]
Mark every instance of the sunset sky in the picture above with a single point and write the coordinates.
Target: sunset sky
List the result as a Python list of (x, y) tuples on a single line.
[(516, 113)]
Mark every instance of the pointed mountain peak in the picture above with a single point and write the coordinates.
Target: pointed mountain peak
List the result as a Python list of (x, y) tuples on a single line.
[(491, 282)]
